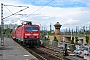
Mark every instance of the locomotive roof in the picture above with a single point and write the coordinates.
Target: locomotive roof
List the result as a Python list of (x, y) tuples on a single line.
[(25, 25), (19, 26)]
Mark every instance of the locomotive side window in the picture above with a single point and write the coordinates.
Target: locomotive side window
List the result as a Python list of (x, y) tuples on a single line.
[(31, 28)]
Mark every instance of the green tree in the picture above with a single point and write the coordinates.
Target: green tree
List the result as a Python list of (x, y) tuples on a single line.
[(72, 41), (49, 32), (0, 31), (46, 38), (55, 39), (87, 38), (76, 39), (8, 32)]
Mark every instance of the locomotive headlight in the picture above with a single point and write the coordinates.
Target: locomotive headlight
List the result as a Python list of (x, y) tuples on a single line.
[(35, 34), (27, 34)]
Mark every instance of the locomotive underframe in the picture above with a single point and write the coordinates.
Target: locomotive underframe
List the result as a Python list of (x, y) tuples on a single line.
[(29, 41)]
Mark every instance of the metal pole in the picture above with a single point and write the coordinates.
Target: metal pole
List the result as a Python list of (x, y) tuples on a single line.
[(71, 35), (89, 27), (2, 26), (50, 28)]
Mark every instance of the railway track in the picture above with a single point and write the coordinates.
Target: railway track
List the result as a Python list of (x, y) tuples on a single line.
[(45, 53), (42, 53)]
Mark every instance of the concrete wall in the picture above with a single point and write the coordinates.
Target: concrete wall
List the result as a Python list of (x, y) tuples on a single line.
[(89, 40), (51, 37), (60, 38), (57, 36), (84, 41), (67, 39)]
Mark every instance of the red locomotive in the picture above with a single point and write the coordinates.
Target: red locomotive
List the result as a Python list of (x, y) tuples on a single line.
[(27, 34)]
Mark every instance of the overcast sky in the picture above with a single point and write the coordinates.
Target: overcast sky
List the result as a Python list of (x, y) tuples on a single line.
[(69, 13)]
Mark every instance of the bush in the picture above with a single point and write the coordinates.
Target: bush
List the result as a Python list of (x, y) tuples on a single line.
[(55, 39), (87, 38), (76, 40), (46, 38), (72, 41)]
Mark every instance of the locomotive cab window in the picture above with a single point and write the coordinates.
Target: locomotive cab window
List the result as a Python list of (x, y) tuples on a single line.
[(31, 28)]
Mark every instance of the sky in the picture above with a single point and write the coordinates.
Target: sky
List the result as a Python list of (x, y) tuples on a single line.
[(69, 13)]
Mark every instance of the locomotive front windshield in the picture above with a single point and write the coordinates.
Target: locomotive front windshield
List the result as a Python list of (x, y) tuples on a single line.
[(31, 28)]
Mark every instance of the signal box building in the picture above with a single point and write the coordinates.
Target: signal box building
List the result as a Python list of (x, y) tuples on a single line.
[(57, 28)]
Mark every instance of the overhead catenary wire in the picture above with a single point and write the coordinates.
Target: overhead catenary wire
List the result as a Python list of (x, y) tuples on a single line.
[(8, 9), (16, 12), (12, 13), (15, 6), (40, 7), (25, 8), (37, 9), (33, 1)]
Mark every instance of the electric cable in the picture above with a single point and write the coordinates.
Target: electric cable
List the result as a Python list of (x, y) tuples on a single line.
[(15, 6), (8, 9), (16, 12), (25, 8), (33, 1), (40, 7)]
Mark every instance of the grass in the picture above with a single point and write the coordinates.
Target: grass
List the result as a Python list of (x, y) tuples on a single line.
[(33, 53)]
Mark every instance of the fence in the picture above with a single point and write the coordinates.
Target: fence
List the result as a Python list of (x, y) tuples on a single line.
[(58, 45)]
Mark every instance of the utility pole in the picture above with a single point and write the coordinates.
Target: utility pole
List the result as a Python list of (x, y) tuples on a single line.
[(2, 26), (2, 23), (66, 31), (76, 30), (69, 31), (72, 31), (89, 27), (71, 35), (50, 28)]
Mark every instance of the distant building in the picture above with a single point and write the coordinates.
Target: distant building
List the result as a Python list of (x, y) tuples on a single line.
[(11, 26)]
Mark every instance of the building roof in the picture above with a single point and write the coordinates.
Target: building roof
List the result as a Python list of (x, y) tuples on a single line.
[(57, 24)]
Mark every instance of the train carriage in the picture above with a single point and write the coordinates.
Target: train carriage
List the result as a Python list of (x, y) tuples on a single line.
[(27, 34)]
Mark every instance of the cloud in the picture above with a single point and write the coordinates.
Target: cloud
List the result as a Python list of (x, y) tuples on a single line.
[(67, 17), (60, 3), (71, 22)]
